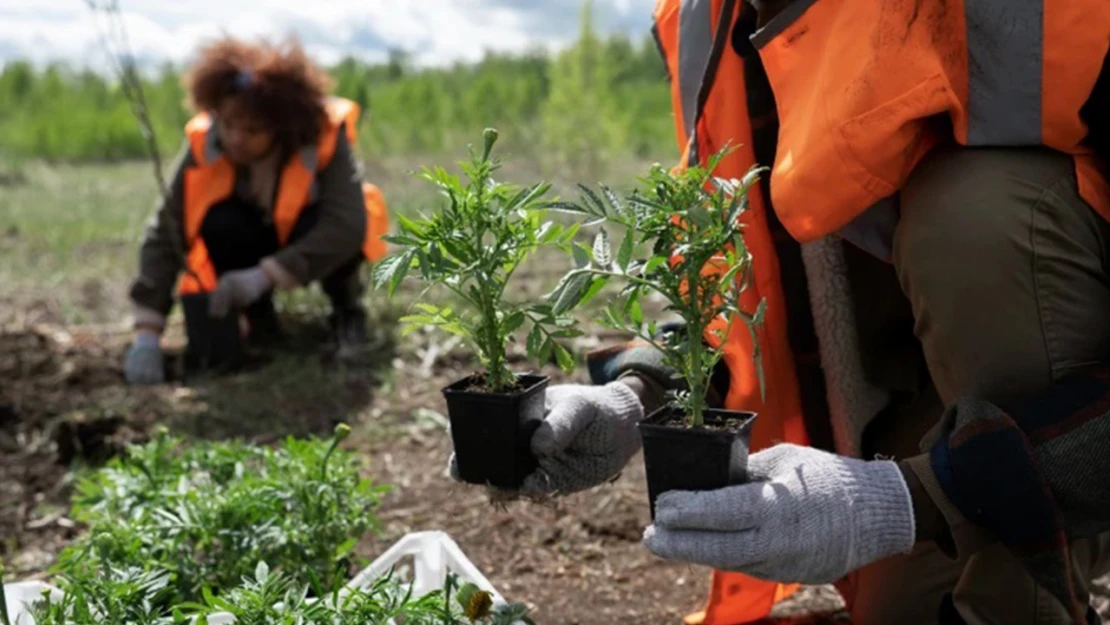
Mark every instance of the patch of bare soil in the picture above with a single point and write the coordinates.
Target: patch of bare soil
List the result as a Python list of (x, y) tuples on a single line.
[(64, 404)]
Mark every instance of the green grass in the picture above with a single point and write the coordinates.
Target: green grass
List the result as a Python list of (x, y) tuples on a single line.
[(69, 234)]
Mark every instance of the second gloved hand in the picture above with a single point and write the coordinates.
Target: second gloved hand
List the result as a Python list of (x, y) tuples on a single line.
[(238, 289), (807, 516), (144, 360), (588, 435)]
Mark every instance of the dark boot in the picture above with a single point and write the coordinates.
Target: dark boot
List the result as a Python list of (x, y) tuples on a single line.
[(265, 327), (349, 329), (348, 319)]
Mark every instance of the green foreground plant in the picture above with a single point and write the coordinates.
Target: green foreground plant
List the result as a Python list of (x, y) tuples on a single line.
[(270, 598), (205, 515), (472, 246), (178, 534), (698, 262)]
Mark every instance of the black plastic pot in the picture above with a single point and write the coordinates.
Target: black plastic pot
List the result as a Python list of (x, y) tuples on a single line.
[(214, 342), (492, 432), (677, 457)]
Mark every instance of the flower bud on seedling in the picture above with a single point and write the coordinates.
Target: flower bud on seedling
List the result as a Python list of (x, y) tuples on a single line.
[(342, 431), (490, 135)]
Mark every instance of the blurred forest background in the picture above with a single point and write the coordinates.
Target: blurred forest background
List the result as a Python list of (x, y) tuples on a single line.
[(571, 111)]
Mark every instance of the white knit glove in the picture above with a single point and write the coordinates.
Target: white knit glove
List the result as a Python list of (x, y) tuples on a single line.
[(807, 516), (588, 435), (238, 289)]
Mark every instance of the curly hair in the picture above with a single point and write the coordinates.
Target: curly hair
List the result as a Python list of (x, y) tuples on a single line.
[(275, 83)]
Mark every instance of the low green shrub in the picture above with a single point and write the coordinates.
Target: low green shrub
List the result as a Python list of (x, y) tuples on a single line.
[(205, 515)]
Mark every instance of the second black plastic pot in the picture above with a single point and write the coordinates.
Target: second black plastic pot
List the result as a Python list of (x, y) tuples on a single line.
[(492, 432), (677, 457), (213, 342)]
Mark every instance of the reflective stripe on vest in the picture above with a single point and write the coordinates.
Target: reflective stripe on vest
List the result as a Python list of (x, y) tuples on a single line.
[(695, 43), (860, 88)]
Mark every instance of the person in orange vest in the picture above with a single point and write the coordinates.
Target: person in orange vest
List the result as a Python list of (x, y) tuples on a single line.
[(932, 246), (267, 194)]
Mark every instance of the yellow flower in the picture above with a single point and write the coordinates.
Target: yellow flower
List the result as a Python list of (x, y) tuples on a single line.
[(476, 603)]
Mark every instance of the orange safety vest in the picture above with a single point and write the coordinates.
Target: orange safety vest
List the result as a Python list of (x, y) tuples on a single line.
[(859, 87), (211, 179)]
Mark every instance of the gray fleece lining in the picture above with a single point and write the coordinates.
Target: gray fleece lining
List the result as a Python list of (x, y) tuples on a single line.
[(853, 401)]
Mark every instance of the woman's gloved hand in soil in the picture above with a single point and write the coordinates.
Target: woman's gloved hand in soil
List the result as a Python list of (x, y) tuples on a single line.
[(806, 516), (238, 289), (586, 438), (144, 364)]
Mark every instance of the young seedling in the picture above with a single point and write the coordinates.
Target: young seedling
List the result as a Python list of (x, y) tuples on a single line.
[(700, 266), (470, 248)]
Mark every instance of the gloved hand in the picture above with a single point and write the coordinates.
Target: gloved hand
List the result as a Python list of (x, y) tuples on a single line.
[(144, 360), (807, 516), (588, 435), (238, 289)]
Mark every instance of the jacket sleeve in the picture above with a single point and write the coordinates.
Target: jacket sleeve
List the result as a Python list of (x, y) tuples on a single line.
[(646, 362), (160, 261), (1030, 475), (340, 229)]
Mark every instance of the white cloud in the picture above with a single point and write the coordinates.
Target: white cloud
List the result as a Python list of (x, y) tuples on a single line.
[(434, 31)]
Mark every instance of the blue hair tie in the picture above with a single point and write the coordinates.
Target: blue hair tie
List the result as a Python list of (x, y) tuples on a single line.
[(243, 79)]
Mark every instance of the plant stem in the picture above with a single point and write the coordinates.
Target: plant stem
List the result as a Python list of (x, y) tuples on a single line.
[(694, 342), (697, 381), (342, 431)]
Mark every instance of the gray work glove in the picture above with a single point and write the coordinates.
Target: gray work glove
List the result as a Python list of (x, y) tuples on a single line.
[(588, 435), (807, 516), (238, 289), (143, 364)]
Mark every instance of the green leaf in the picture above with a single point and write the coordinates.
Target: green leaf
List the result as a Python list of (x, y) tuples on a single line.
[(563, 207), (534, 194), (429, 308), (594, 201), (654, 263), (513, 322), (214, 601), (569, 234), (410, 226), (345, 548), (262, 571), (545, 350), (571, 293), (581, 257), (564, 358), (603, 255), (614, 201), (535, 341), (392, 271), (596, 286), (548, 232), (634, 311), (628, 246)]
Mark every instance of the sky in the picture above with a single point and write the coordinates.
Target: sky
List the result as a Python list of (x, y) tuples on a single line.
[(434, 32)]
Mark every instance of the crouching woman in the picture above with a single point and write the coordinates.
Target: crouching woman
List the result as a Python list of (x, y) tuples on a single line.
[(267, 194)]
